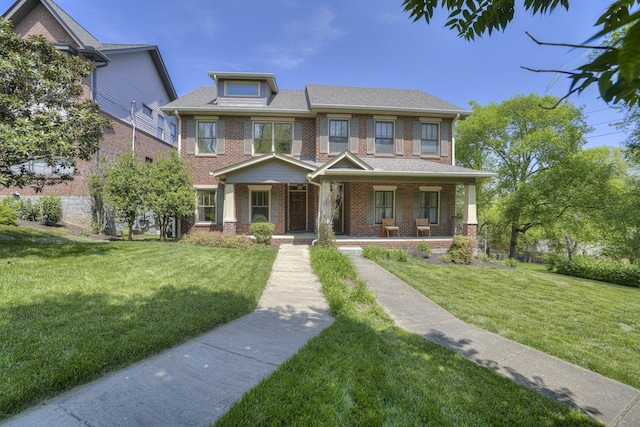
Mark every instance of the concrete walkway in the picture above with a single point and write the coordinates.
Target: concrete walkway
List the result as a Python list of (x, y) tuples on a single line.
[(195, 383), (606, 400)]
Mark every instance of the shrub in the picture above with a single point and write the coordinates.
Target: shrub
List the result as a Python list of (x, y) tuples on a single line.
[(376, 253), (216, 240), (460, 251), (400, 255), (8, 214), (425, 248), (596, 269), (262, 231), (510, 262), (28, 210), (51, 210)]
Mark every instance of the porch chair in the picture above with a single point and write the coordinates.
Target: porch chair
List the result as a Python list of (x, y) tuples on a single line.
[(422, 224), (389, 224)]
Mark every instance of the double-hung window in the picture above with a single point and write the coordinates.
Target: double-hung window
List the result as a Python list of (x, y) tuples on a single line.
[(160, 127), (429, 206), (206, 200), (207, 143), (338, 135), (259, 205), (383, 205), (384, 138), (429, 145), (272, 137)]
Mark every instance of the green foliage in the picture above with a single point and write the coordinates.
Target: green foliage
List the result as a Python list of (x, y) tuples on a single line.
[(96, 186), (42, 117), (262, 231), (215, 239), (170, 190), (376, 253), (425, 248), (8, 213), (50, 210), (615, 68), (460, 251), (604, 270), (511, 262), (28, 210)]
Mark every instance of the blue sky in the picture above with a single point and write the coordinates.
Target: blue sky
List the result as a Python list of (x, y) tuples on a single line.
[(369, 43)]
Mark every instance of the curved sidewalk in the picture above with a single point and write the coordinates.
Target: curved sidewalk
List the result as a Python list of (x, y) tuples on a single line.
[(195, 383), (606, 400)]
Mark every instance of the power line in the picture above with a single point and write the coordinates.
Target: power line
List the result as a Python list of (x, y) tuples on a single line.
[(596, 111), (604, 134)]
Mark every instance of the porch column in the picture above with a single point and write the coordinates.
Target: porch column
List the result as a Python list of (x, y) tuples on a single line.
[(229, 211), (470, 216)]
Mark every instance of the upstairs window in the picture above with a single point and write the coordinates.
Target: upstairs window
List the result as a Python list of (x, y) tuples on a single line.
[(244, 89), (429, 145), (384, 138), (272, 137), (146, 110), (173, 130), (207, 143), (160, 127), (338, 135), (429, 206)]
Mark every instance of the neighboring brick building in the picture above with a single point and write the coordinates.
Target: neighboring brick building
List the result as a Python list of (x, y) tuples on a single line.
[(130, 82), (258, 151)]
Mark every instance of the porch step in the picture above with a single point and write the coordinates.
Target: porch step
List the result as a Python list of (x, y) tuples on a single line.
[(350, 250)]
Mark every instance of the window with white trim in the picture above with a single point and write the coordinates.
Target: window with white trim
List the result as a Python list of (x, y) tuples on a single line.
[(146, 110), (338, 135), (206, 201), (160, 127), (272, 138), (383, 205), (429, 140), (173, 132), (429, 206), (206, 138), (384, 138), (259, 204)]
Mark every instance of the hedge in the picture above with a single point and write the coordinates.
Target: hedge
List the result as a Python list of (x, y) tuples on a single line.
[(597, 269)]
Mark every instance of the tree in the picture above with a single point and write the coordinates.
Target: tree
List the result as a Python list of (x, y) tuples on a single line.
[(125, 188), (170, 190), (41, 116), (615, 68), (520, 141)]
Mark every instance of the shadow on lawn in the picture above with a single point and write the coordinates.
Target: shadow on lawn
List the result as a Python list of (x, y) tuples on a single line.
[(60, 341), (464, 347)]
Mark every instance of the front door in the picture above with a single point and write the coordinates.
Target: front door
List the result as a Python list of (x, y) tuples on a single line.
[(297, 210)]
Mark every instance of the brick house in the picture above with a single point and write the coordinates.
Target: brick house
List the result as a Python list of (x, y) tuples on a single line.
[(259, 151), (130, 83)]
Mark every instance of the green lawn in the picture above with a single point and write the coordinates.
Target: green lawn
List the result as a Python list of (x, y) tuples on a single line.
[(74, 309), (588, 323), (364, 371)]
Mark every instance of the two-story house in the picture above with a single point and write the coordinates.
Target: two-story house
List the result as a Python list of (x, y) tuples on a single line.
[(259, 151), (130, 82)]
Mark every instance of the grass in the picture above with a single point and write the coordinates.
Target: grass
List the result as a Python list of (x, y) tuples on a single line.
[(363, 370), (72, 309), (585, 322)]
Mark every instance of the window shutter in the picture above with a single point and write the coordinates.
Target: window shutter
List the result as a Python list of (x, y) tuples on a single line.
[(353, 135), (370, 207), (297, 138), (324, 135), (444, 208), (398, 207), (274, 205), (220, 206), (416, 204), (244, 206), (191, 137), (248, 137), (371, 137), (444, 139), (417, 138), (399, 137), (220, 136)]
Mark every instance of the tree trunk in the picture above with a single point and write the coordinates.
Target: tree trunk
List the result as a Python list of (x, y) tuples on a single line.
[(513, 246), (130, 232)]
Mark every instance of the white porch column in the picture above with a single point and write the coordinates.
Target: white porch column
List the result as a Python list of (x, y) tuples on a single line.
[(470, 215), (229, 212)]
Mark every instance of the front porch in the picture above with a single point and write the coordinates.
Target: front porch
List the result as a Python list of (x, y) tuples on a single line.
[(439, 244)]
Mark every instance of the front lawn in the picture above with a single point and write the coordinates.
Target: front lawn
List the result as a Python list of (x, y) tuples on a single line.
[(72, 310), (588, 323), (365, 371)]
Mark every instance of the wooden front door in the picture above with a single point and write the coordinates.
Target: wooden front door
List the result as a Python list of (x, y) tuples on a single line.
[(297, 210)]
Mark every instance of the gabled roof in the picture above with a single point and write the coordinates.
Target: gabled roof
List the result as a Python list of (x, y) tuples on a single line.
[(344, 157), (262, 159), (87, 43)]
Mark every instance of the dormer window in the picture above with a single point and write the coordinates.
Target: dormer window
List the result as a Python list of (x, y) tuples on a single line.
[(242, 89)]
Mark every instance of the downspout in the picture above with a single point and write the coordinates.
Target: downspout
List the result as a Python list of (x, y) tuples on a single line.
[(453, 139), (133, 125), (179, 223)]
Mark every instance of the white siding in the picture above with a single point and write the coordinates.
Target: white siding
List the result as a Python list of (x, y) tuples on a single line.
[(129, 77)]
